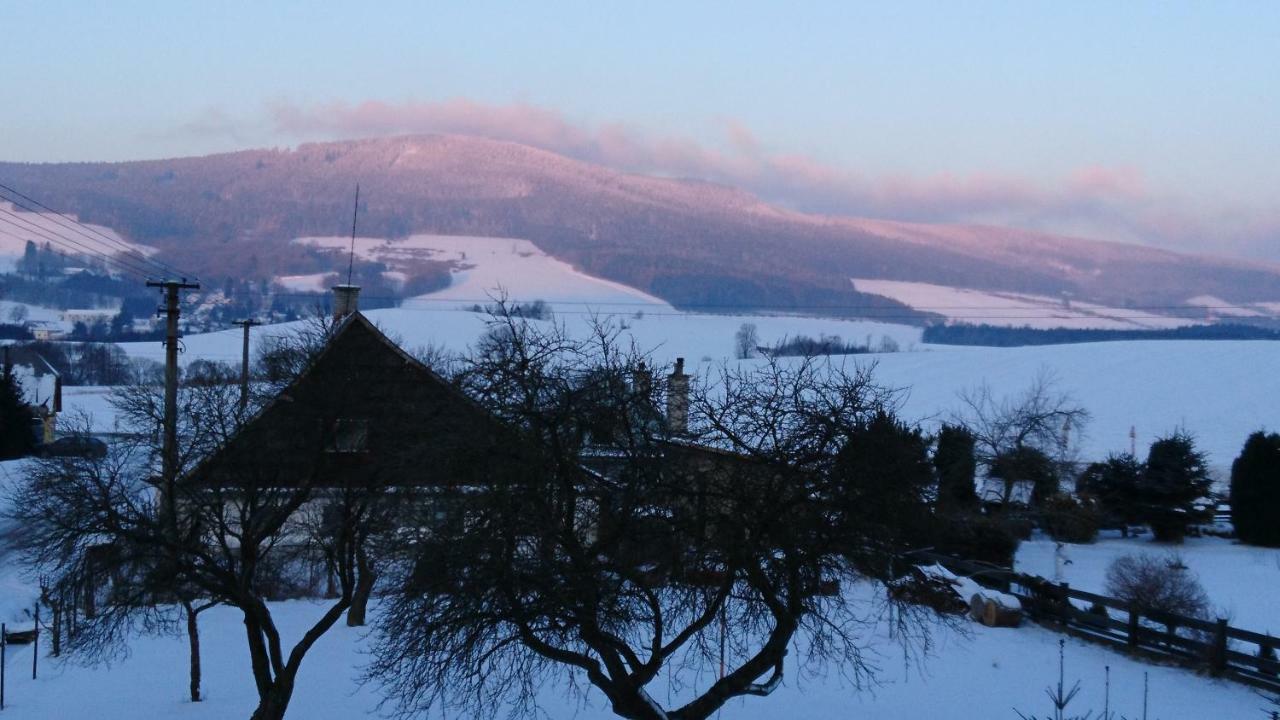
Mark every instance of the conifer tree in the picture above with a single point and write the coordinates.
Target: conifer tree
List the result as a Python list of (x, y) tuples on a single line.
[(1255, 490), (16, 437), (956, 465), (1116, 485), (1174, 481)]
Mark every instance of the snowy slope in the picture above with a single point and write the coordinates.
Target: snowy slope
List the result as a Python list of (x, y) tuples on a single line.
[(38, 227), (484, 264), (1007, 309), (1232, 574), (1221, 391)]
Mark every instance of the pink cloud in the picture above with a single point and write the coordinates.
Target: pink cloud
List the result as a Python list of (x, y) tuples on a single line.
[(1107, 202)]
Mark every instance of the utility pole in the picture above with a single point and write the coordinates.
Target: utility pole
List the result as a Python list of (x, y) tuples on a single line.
[(171, 312), (244, 362)]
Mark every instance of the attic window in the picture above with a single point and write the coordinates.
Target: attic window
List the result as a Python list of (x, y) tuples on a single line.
[(349, 436)]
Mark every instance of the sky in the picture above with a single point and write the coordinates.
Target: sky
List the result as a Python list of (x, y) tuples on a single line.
[(1152, 122)]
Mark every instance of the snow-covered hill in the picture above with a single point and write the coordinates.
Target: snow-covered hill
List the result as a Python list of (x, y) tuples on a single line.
[(1219, 390), (21, 226), (1007, 309)]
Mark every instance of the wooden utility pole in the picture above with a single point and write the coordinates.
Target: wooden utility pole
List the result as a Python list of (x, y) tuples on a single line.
[(171, 313), (244, 362)]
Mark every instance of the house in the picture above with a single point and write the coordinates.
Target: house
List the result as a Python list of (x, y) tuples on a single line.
[(45, 330), (41, 387), (364, 412)]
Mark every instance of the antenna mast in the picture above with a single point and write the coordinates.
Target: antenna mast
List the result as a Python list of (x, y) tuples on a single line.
[(351, 257)]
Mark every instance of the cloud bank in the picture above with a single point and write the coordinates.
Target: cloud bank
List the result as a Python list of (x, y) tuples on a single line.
[(1102, 202)]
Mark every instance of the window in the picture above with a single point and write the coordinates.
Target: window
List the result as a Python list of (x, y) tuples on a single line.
[(349, 436)]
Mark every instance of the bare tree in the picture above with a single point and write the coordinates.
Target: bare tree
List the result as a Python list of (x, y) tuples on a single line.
[(745, 341), (605, 550), (231, 531), (1008, 430), (1161, 584)]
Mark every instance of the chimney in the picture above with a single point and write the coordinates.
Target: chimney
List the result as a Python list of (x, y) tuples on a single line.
[(678, 400), (346, 300), (642, 380)]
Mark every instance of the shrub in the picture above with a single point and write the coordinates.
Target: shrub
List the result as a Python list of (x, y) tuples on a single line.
[(1114, 485), (1156, 583), (1255, 491), (1066, 519), (977, 537), (955, 464)]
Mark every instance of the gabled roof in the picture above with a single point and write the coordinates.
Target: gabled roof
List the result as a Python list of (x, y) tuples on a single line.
[(425, 424)]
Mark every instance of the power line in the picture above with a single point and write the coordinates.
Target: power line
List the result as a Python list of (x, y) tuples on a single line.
[(74, 246), (76, 226)]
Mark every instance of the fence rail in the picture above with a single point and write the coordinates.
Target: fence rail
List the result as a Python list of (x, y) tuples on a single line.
[(1225, 651)]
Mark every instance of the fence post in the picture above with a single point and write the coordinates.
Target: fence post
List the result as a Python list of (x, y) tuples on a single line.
[(1134, 627), (35, 644), (1218, 650), (4, 631), (1064, 608)]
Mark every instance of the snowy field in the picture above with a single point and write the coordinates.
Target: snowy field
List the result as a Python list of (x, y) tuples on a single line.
[(1221, 391), (1006, 309), (1241, 581), (980, 676)]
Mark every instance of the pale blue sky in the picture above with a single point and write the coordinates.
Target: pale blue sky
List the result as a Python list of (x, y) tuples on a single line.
[(1180, 99)]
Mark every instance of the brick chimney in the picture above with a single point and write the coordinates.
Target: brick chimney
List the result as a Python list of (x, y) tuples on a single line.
[(678, 400), (346, 300), (642, 380)]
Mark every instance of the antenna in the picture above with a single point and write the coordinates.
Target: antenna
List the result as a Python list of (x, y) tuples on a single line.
[(351, 258)]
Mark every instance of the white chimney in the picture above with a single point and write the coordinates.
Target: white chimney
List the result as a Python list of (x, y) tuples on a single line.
[(346, 300)]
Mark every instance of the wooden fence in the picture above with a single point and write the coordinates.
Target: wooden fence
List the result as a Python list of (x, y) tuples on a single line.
[(1217, 647)]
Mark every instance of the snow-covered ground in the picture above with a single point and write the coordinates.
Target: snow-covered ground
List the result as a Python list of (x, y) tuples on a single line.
[(1240, 580), (1007, 309), (977, 673), (982, 676), (1221, 391)]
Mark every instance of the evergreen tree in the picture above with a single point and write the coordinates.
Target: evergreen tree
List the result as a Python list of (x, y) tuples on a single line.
[(1116, 485), (30, 263), (883, 476), (1027, 464), (1255, 490), (956, 464), (1174, 481), (16, 436)]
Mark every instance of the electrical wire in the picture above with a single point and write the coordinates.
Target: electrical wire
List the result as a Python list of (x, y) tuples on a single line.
[(68, 244), (88, 231)]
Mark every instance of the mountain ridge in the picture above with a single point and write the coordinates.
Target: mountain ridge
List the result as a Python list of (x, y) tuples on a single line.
[(688, 241)]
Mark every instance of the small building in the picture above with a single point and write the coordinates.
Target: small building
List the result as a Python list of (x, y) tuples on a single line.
[(41, 386), (89, 316), (44, 330)]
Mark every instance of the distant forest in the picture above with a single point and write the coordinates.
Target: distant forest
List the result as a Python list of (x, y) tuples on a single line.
[(994, 336)]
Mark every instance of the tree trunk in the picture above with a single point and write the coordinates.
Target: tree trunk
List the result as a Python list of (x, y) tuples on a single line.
[(56, 627), (364, 588), (193, 642), (273, 705)]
